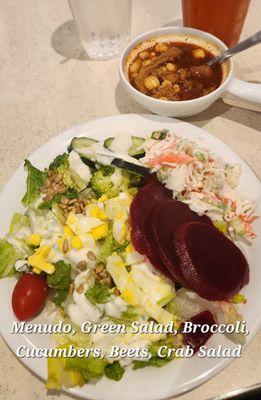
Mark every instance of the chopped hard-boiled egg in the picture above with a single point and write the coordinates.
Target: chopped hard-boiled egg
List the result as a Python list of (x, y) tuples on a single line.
[(80, 223), (119, 230), (34, 239), (132, 256), (76, 242), (132, 294), (39, 260), (96, 212), (100, 231), (152, 284)]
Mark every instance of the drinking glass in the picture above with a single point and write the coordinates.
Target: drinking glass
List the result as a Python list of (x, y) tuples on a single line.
[(222, 18), (103, 25)]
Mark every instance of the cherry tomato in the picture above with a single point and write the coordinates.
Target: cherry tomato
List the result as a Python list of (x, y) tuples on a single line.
[(29, 296)]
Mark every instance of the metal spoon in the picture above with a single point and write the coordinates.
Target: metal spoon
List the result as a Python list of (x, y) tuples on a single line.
[(249, 42)]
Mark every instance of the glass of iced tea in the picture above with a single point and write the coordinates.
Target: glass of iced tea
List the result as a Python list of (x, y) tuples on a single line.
[(222, 18)]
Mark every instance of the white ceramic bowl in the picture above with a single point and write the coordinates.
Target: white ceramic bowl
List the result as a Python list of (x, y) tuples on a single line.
[(248, 91)]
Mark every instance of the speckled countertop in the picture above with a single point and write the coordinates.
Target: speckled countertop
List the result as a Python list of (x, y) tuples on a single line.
[(47, 85)]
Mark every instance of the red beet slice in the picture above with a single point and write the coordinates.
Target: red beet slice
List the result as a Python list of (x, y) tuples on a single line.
[(141, 213), (198, 338), (212, 265), (168, 216)]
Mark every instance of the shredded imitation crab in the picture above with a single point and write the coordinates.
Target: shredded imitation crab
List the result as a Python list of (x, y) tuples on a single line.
[(203, 181)]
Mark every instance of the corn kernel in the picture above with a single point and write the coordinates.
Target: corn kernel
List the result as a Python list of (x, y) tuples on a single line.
[(76, 243), (161, 47), (171, 67), (198, 53), (34, 239), (151, 82)]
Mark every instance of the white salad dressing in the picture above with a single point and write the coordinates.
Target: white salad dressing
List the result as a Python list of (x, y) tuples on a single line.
[(115, 307), (78, 167), (82, 310), (121, 143)]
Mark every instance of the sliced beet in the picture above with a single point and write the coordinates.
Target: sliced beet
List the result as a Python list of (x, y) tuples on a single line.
[(212, 265), (198, 338), (141, 210), (167, 216)]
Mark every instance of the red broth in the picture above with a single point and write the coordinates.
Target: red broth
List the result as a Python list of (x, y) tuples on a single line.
[(174, 71)]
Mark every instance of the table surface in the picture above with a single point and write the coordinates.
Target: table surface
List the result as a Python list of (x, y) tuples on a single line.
[(47, 85)]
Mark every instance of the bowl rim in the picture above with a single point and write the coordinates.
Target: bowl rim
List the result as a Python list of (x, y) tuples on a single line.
[(160, 32)]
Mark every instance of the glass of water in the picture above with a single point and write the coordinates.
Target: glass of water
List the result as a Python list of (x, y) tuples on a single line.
[(103, 25)]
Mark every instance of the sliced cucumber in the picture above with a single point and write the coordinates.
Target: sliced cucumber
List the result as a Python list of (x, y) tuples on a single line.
[(159, 135), (79, 143), (133, 168), (88, 162), (135, 150), (108, 142)]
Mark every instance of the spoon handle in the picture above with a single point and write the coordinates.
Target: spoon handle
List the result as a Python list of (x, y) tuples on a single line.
[(249, 42)]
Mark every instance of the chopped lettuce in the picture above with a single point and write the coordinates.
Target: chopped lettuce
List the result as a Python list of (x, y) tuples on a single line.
[(221, 226), (35, 179), (127, 316), (156, 360), (61, 161), (18, 221), (101, 182), (98, 293), (59, 377), (90, 368), (114, 371), (109, 246), (59, 281), (106, 249), (8, 256)]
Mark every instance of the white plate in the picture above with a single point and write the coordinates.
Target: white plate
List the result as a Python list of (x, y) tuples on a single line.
[(149, 383)]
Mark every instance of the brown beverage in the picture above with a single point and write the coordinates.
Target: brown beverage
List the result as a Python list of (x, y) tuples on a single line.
[(222, 18)]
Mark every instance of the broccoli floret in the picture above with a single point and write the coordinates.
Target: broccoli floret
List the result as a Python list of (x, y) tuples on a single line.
[(101, 182), (61, 165)]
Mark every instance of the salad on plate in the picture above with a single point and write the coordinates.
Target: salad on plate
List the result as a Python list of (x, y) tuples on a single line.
[(131, 231)]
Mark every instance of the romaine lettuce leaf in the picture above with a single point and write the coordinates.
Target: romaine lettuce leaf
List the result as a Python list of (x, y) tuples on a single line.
[(8, 256), (59, 377), (18, 221), (98, 293), (35, 179), (59, 281), (90, 367), (114, 371), (155, 360)]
